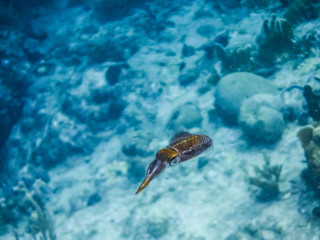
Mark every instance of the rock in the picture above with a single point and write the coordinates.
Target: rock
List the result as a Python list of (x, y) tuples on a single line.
[(93, 199), (112, 74), (261, 117), (157, 227), (31, 49), (187, 51), (105, 11), (71, 106), (136, 171), (199, 14), (202, 162), (206, 31), (234, 88), (222, 39), (10, 112), (188, 116), (102, 52), (132, 150), (100, 96), (188, 77), (52, 151), (316, 212), (115, 109), (27, 124)]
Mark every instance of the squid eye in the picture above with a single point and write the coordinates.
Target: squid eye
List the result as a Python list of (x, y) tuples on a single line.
[(174, 161)]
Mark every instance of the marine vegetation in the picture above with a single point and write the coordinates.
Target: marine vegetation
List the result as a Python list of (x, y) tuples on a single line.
[(30, 204), (266, 180), (310, 139), (275, 40), (183, 146)]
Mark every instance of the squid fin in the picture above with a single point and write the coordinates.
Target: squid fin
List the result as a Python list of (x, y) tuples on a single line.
[(179, 136)]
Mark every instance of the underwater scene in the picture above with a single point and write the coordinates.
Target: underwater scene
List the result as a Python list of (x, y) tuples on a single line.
[(169, 120)]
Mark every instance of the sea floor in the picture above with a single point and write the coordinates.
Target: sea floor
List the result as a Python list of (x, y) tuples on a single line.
[(205, 198)]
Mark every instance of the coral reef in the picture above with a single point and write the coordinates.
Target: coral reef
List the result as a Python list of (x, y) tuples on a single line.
[(239, 59), (310, 139), (275, 40), (266, 180)]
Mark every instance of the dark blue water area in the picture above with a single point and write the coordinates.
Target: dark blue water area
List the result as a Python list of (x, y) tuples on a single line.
[(145, 120)]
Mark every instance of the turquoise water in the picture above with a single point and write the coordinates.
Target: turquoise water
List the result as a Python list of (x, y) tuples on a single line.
[(90, 91)]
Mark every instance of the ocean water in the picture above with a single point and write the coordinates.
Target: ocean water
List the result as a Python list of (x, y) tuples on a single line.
[(90, 91)]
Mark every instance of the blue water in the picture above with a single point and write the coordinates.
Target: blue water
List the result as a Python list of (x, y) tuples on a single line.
[(90, 91)]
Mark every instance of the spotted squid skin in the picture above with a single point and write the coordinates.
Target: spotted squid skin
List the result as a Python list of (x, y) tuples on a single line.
[(191, 146)]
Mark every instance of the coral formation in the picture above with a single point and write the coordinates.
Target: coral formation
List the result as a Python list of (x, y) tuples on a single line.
[(261, 118), (233, 88), (310, 139), (266, 180), (275, 40), (238, 59)]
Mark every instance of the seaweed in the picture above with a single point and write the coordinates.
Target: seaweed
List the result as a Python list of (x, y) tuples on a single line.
[(266, 180)]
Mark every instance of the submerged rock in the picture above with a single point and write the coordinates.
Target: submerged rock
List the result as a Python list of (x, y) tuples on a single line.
[(93, 199), (113, 74), (102, 52), (188, 77), (206, 31), (187, 51), (10, 112), (234, 88), (261, 117), (188, 116), (158, 227), (222, 39)]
